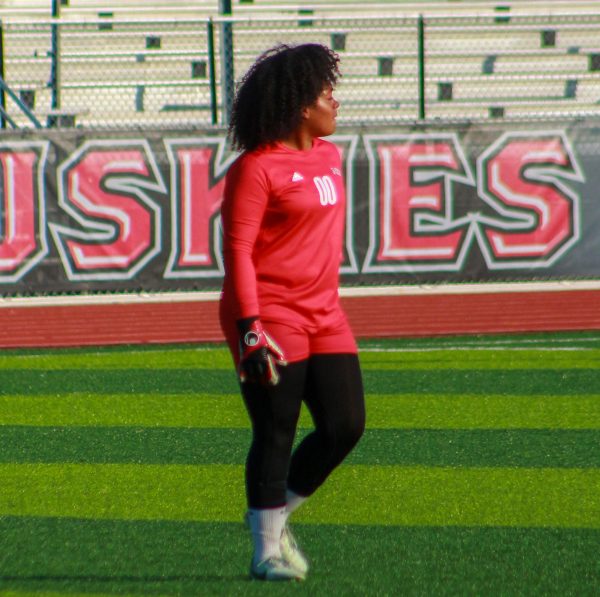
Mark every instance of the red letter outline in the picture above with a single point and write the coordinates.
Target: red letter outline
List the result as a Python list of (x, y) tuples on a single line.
[(519, 220), (94, 231)]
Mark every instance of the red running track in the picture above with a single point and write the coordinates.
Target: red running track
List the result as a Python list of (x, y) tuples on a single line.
[(402, 315)]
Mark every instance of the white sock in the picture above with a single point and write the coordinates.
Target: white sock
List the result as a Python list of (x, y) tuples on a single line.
[(293, 502), (266, 526)]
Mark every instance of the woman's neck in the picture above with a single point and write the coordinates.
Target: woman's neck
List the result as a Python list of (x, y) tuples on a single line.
[(299, 140)]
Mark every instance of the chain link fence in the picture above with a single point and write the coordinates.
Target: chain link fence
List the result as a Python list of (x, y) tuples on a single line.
[(182, 73)]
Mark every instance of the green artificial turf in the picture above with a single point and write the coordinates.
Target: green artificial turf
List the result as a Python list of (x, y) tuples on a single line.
[(430, 447), (377, 381), (189, 558), (121, 473), (396, 494), (384, 411)]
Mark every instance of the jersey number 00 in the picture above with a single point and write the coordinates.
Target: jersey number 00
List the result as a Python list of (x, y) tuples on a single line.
[(326, 188)]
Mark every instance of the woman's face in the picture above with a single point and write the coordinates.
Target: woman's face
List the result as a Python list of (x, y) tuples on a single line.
[(319, 118)]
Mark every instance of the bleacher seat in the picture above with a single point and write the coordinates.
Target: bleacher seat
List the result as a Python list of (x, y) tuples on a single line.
[(147, 62)]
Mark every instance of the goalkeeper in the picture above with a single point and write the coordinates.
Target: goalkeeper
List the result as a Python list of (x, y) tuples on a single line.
[(283, 223)]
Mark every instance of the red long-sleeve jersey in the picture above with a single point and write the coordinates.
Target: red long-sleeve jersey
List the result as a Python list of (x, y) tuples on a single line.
[(283, 225)]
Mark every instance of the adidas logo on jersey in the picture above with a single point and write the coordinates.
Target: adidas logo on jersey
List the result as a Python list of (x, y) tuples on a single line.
[(297, 176), (336, 171)]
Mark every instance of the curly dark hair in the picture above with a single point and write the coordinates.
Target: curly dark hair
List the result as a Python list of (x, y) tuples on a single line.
[(271, 95)]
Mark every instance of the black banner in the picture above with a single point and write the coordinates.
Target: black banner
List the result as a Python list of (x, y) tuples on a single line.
[(122, 211)]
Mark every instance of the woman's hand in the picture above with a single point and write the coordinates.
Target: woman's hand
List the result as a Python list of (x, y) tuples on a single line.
[(260, 357)]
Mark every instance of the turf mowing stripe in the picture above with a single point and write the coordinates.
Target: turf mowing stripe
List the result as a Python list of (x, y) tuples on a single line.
[(212, 559), (569, 382), (371, 358), (171, 358), (66, 556), (397, 381), (144, 410), (480, 359), (130, 381), (396, 495), (403, 411), (33, 593), (455, 496), (49, 581), (483, 412), (428, 447)]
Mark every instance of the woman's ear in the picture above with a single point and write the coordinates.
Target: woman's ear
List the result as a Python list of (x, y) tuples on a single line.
[(305, 113)]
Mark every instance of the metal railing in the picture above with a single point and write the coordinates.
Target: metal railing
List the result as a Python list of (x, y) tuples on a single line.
[(182, 72)]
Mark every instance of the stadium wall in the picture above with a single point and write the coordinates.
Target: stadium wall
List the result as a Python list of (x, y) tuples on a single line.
[(113, 236)]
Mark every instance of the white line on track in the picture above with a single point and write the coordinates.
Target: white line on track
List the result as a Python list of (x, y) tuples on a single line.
[(349, 291)]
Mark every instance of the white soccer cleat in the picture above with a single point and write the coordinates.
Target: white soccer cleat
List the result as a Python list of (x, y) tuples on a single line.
[(274, 569), (291, 552)]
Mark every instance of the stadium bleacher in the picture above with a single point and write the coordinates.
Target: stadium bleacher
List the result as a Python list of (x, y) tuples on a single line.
[(136, 62), (81, 9)]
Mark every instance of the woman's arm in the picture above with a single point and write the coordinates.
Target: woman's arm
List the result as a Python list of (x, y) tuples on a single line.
[(244, 204)]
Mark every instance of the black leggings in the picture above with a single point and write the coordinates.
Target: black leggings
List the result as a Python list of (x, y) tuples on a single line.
[(331, 386)]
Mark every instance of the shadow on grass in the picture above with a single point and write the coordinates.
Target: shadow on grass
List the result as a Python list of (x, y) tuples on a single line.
[(115, 557)]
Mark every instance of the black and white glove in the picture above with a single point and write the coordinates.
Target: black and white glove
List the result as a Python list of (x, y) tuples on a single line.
[(260, 357)]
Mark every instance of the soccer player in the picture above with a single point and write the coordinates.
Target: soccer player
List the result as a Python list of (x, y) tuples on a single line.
[(283, 220)]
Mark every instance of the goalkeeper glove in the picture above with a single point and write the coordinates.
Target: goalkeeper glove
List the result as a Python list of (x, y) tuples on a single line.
[(260, 356)]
